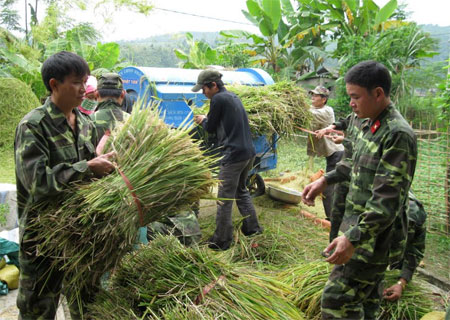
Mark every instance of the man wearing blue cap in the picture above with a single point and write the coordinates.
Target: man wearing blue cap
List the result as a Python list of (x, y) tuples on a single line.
[(228, 119)]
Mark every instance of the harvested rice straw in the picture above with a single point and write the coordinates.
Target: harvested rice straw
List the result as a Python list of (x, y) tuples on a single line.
[(277, 108), (308, 281), (97, 222), (166, 275)]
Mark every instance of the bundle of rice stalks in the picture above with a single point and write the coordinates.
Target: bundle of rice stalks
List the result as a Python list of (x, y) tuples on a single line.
[(16, 100), (159, 172), (414, 304), (309, 280), (276, 108), (166, 280)]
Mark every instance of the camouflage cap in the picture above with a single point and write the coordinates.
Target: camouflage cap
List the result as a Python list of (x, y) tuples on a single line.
[(320, 90), (206, 76), (109, 81)]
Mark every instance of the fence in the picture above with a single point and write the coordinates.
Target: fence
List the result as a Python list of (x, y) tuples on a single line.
[(432, 178)]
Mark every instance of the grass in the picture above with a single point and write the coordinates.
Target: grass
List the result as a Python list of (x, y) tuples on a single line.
[(436, 259), (7, 174)]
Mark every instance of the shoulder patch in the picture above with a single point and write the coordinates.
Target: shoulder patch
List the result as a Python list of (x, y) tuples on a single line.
[(375, 126)]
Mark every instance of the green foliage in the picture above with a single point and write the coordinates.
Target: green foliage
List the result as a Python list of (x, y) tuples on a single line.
[(400, 57), (268, 49), (56, 33), (442, 100), (232, 52)]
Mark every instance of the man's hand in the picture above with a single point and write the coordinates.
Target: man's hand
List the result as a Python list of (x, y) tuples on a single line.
[(336, 138), (199, 118), (393, 293), (102, 164), (312, 190), (320, 133), (343, 251)]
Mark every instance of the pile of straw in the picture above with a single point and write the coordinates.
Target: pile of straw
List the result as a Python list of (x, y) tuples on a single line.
[(276, 108), (165, 280), (97, 222), (16, 100)]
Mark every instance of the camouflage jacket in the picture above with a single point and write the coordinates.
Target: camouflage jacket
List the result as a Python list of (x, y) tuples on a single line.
[(49, 155), (107, 114), (383, 164), (415, 244), (351, 126)]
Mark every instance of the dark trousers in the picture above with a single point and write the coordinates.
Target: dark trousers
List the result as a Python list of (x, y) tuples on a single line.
[(327, 200), (232, 186)]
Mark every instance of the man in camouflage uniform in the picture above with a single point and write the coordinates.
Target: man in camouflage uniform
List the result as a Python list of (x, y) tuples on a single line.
[(54, 146), (383, 165), (350, 126), (408, 259), (110, 94)]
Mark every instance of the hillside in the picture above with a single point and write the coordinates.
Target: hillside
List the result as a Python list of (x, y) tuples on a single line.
[(158, 51)]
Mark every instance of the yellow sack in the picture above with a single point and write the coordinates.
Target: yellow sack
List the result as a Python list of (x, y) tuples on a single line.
[(10, 275), (434, 315), (2, 263)]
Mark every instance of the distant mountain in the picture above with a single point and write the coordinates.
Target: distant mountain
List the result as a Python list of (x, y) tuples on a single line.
[(442, 34)]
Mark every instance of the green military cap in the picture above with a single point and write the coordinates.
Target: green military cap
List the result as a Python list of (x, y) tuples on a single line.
[(320, 90), (206, 76), (109, 81)]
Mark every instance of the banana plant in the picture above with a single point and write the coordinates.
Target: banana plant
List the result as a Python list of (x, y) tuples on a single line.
[(267, 15), (200, 54)]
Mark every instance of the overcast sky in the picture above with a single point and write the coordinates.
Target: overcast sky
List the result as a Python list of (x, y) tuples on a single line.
[(127, 25)]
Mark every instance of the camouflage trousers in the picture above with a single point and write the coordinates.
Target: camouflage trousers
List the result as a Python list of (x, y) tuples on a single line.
[(184, 226), (352, 293), (338, 208), (39, 293)]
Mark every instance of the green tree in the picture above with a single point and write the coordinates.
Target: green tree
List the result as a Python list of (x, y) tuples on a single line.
[(9, 18), (232, 51)]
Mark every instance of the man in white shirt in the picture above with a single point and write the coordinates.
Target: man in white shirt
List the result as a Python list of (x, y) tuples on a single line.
[(323, 116)]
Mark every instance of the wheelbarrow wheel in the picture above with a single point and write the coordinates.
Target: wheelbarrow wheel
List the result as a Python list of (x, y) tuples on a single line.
[(255, 185)]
